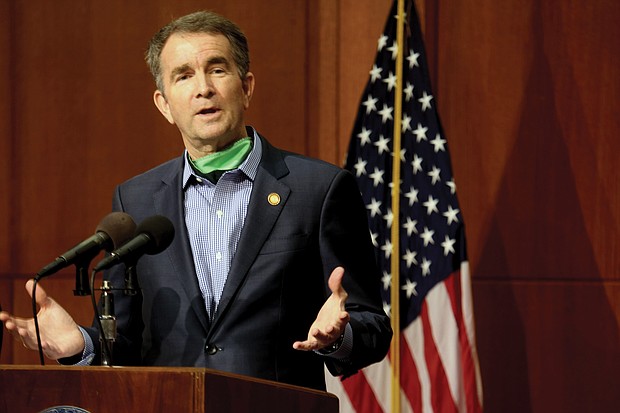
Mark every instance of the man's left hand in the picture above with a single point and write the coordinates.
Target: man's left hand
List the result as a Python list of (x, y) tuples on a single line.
[(332, 318)]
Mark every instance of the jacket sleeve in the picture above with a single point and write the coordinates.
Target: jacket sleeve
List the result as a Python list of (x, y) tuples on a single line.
[(345, 241)]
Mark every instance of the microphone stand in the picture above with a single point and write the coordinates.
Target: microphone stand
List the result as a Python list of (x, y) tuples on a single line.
[(131, 277), (108, 324), (82, 286)]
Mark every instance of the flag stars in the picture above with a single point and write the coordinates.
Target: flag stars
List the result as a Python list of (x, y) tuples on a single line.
[(427, 236), (386, 113), (382, 145), (416, 164), (394, 50), (448, 246), (370, 103), (360, 167), (411, 226), (426, 267), (406, 123), (387, 309), (386, 280), (451, 215), (390, 81), (389, 217), (434, 174), (409, 288), (413, 59), (375, 208), (409, 258), (387, 249), (452, 186), (438, 143), (408, 91), (425, 100), (420, 133), (431, 205), (382, 42), (375, 73), (373, 239), (377, 177), (364, 136), (412, 196)]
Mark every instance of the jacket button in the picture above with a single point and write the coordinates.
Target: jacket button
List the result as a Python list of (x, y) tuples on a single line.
[(211, 349)]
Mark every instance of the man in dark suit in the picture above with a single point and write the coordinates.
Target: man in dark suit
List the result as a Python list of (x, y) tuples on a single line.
[(271, 273)]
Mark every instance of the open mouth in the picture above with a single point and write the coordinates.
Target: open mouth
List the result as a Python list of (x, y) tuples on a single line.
[(207, 111)]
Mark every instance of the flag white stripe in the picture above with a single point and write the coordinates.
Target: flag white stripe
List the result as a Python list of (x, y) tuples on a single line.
[(445, 333), (470, 327), (414, 335), (379, 378), (334, 386)]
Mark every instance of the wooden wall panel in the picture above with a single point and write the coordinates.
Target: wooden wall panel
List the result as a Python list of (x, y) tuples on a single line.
[(360, 26), (5, 137), (6, 230), (79, 116), (541, 82), (541, 348), (527, 93), (91, 123)]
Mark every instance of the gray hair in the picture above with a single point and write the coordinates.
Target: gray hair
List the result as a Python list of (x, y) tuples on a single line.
[(199, 22)]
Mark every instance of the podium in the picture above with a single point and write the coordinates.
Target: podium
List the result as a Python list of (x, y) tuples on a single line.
[(151, 389)]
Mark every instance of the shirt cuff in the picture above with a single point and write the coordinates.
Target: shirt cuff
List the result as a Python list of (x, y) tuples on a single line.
[(344, 351), (87, 356)]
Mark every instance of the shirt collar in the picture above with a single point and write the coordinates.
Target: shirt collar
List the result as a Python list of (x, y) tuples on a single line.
[(249, 167)]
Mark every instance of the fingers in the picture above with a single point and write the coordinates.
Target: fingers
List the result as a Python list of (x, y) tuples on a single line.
[(318, 339), (335, 281), (41, 294), (17, 327)]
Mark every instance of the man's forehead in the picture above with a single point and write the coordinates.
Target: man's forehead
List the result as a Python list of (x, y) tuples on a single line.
[(182, 47)]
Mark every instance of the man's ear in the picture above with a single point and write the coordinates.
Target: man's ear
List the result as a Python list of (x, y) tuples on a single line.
[(162, 105), (248, 88)]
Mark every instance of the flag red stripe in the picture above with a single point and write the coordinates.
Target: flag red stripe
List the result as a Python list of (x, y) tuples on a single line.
[(360, 394), (453, 285), (441, 399), (409, 377)]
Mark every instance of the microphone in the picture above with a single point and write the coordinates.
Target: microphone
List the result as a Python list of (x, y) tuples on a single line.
[(153, 235), (114, 229)]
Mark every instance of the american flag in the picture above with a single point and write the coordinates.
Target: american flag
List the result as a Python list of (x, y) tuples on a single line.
[(438, 362)]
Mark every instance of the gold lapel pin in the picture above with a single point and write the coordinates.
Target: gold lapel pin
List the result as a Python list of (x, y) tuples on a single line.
[(273, 199)]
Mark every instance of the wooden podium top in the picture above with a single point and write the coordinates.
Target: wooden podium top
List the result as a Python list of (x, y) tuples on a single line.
[(151, 389)]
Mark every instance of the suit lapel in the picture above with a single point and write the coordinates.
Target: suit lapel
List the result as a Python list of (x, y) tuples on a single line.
[(169, 202), (263, 212)]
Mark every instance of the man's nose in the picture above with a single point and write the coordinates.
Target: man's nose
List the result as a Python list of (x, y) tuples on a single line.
[(204, 86)]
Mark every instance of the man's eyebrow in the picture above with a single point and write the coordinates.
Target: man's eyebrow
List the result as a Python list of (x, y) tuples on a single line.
[(217, 60), (179, 70)]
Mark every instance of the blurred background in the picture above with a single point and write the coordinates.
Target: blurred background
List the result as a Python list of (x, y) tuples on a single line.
[(528, 92)]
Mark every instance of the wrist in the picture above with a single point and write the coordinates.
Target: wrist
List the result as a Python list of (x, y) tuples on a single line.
[(333, 347)]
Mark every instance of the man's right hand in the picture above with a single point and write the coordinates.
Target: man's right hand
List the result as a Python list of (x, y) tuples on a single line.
[(60, 335)]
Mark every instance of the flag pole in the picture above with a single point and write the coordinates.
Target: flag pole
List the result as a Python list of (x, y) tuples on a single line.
[(395, 258)]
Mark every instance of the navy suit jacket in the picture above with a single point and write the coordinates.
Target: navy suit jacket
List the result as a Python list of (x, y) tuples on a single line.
[(277, 281)]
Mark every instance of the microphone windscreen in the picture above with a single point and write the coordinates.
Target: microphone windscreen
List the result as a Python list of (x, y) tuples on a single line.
[(119, 226), (160, 230)]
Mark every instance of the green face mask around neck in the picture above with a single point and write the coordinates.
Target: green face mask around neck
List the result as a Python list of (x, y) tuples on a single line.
[(226, 160)]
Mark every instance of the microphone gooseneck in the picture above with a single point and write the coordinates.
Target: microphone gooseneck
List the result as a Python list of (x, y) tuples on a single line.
[(113, 230), (153, 235)]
